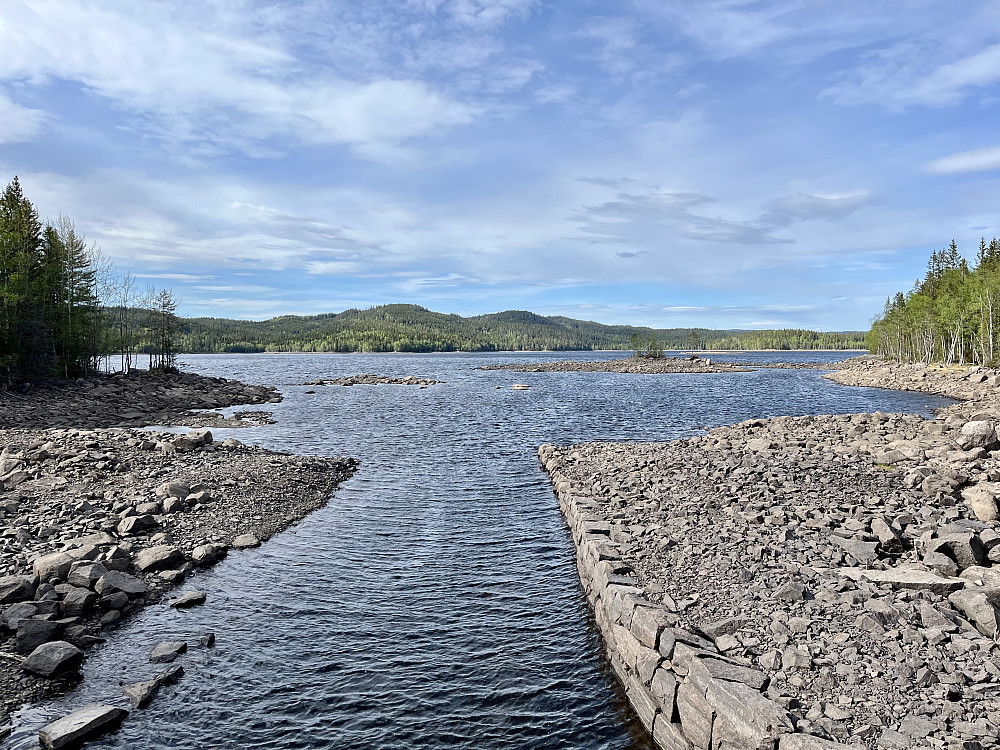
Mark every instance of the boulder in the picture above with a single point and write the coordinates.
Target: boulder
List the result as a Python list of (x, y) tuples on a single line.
[(53, 658), (55, 565), (15, 613), (139, 694), (976, 606), (174, 489), (166, 651), (78, 602), (17, 588), (85, 574), (189, 599), (173, 505), (79, 727), (207, 554), (982, 499), (980, 434), (246, 541), (114, 581), (137, 525), (160, 557), (33, 633)]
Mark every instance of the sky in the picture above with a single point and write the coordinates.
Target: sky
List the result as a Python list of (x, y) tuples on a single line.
[(673, 163)]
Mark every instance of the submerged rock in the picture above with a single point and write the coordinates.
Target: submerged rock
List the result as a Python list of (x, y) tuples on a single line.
[(79, 727)]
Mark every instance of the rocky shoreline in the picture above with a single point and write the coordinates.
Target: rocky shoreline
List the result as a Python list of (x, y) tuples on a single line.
[(632, 365), (370, 379), (99, 523), (803, 582)]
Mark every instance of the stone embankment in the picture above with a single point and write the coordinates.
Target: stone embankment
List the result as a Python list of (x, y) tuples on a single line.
[(977, 384), (802, 582), (632, 365), (369, 379), (133, 400)]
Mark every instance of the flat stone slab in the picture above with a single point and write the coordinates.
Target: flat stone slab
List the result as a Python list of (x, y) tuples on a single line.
[(906, 578), (246, 541), (166, 651), (80, 726), (189, 599)]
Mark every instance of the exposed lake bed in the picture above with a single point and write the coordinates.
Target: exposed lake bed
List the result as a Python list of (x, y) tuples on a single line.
[(400, 439)]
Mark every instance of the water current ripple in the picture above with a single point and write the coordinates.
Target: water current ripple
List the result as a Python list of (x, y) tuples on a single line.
[(434, 602)]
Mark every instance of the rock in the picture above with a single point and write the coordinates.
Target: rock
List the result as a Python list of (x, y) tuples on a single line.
[(976, 606), (864, 552), (117, 600), (964, 548), (81, 726), (799, 741), (166, 651), (53, 658), (137, 525), (982, 498), (976, 435), (174, 489), (173, 505), (85, 574), (78, 602), (245, 541), (55, 565), (207, 640), (171, 675), (139, 694), (160, 557), (33, 633), (906, 578), (189, 599), (207, 554), (16, 588), (114, 581), (792, 591), (200, 437), (13, 614)]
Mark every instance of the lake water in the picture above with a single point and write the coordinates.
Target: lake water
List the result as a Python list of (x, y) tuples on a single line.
[(434, 602)]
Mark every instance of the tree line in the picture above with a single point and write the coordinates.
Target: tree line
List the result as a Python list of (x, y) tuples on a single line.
[(950, 315), (65, 311), (411, 328)]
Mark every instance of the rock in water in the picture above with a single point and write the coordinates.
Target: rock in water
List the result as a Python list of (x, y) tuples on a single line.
[(139, 694), (190, 599), (80, 726), (245, 541), (166, 651), (53, 658)]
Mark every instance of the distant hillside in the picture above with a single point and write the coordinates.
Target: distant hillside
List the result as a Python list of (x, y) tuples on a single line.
[(410, 328)]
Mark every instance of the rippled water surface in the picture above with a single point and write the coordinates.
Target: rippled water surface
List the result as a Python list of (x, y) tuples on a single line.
[(434, 602)]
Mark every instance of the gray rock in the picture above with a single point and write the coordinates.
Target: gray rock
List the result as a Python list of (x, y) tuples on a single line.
[(53, 658), (33, 633), (207, 554), (17, 588), (977, 607), (174, 489), (137, 525), (976, 435), (160, 557), (982, 498), (246, 541), (55, 565), (78, 602), (189, 599), (166, 651), (85, 574), (114, 581), (139, 694), (13, 614), (864, 552), (89, 723)]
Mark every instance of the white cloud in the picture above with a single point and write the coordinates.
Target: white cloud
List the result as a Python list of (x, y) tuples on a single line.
[(17, 123), (220, 87), (978, 160)]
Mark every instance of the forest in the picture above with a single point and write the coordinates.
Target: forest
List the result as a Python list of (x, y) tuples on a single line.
[(410, 328), (65, 311), (949, 316)]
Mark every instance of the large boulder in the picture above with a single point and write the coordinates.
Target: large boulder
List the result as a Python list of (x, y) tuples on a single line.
[(78, 602), (55, 565), (979, 434), (160, 557), (982, 498), (53, 658), (85, 574), (17, 588), (81, 726), (33, 633), (115, 581), (977, 607), (173, 489), (207, 554)]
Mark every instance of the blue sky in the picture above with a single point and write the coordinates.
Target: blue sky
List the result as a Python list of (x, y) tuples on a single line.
[(717, 163)]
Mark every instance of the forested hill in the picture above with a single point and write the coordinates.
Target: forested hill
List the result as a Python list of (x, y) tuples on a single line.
[(409, 328)]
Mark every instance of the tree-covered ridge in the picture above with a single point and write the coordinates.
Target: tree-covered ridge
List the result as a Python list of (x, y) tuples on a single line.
[(410, 328), (950, 316)]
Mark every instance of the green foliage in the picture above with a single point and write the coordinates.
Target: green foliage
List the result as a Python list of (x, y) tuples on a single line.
[(949, 316), (410, 328)]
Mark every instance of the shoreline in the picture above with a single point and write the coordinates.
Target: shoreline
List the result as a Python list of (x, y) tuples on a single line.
[(749, 582), (102, 508)]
